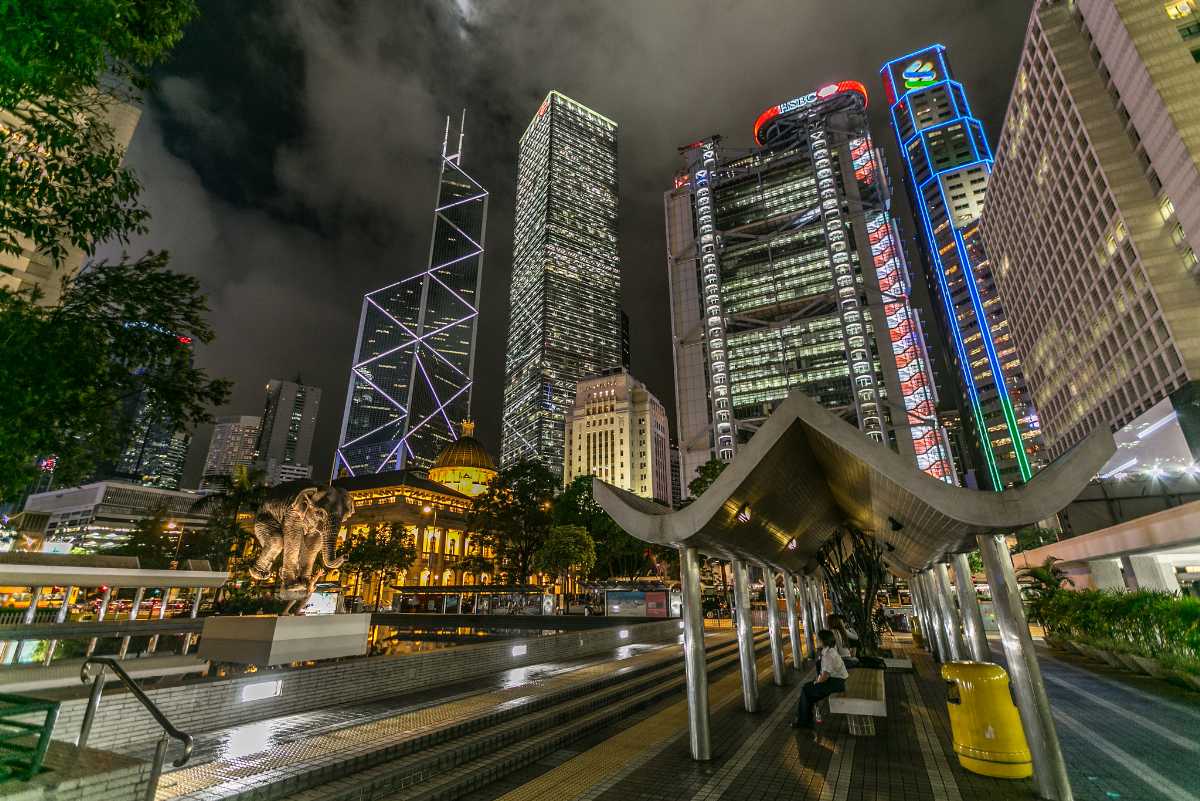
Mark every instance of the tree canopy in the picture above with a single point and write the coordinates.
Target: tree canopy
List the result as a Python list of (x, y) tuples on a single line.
[(706, 474), (566, 549), (514, 515), (243, 494), (618, 554)]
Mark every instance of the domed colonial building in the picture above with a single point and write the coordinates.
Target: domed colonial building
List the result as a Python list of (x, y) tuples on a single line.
[(464, 465)]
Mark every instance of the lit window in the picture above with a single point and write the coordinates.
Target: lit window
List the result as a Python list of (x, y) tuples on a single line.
[(1178, 9)]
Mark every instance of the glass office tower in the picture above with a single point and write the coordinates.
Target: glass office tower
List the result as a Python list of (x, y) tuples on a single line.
[(947, 166), (565, 318), (787, 273), (413, 370)]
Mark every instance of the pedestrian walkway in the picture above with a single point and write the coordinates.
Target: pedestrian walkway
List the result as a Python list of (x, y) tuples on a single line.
[(1121, 742)]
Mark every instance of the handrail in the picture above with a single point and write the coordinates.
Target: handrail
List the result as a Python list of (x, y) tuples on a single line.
[(131, 685)]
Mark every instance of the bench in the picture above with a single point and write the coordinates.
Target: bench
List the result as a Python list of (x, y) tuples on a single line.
[(862, 701)]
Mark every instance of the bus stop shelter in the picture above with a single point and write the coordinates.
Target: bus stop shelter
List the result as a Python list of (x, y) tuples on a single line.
[(808, 473)]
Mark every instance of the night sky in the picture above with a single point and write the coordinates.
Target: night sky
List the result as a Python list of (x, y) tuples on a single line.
[(289, 149)]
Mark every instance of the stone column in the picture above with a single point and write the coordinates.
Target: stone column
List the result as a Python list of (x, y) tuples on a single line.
[(968, 605), (693, 655), (745, 634), (1049, 768), (1153, 574)]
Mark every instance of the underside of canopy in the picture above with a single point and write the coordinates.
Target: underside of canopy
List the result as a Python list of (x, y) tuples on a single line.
[(807, 473)]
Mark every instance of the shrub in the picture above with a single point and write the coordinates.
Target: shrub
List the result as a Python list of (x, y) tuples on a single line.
[(1157, 625)]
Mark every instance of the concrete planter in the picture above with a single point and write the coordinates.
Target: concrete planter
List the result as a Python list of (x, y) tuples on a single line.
[(1130, 663), (1152, 667), (274, 640), (1112, 659), (1057, 644), (1088, 651)]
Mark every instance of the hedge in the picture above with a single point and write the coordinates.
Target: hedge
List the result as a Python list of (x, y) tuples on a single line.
[(1156, 625)]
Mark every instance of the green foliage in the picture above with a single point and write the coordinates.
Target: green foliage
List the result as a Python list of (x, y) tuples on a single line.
[(248, 601), (975, 560), (706, 474), (382, 551), (151, 541), (618, 554), (225, 534), (566, 549), (1034, 537), (1157, 625), (1041, 583), (63, 68), (66, 371), (514, 515)]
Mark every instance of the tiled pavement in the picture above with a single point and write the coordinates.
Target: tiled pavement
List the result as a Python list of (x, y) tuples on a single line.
[(1123, 738)]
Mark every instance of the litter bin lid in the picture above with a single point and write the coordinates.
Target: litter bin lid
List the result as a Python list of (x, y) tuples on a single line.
[(976, 673)]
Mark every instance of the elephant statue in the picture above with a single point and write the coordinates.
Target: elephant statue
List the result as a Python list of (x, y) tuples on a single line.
[(299, 519)]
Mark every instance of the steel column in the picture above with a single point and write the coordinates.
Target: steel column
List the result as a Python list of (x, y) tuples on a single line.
[(59, 618), (968, 604), (819, 598), (1049, 768), (693, 654), (187, 638), (745, 634), (104, 600), (929, 592), (789, 595), (162, 613), (954, 638), (810, 622), (133, 613), (773, 631), (920, 610)]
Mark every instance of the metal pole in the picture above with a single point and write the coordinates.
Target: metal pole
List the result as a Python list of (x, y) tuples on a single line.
[(810, 623), (27, 619), (822, 617), (61, 617), (187, 638), (773, 631), (928, 620), (789, 595), (162, 613), (968, 604), (918, 602), (929, 592), (89, 714), (1049, 768), (108, 593), (160, 756), (693, 655), (133, 613), (954, 638), (745, 634)]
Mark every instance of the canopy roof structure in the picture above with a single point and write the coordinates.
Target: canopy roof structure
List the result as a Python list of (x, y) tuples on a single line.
[(807, 473)]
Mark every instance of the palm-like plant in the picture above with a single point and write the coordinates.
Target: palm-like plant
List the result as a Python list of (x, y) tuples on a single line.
[(243, 495), (1043, 581)]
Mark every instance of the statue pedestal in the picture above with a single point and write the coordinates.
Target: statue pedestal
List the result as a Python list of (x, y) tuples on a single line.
[(272, 640)]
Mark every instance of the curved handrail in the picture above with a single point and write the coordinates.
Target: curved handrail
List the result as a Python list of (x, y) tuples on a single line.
[(109, 662)]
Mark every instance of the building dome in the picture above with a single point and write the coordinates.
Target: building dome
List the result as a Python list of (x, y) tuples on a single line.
[(464, 465)]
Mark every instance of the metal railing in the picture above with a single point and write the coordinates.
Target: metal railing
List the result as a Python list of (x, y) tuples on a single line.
[(19, 759), (169, 730)]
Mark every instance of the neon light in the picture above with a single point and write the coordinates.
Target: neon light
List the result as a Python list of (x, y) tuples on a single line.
[(826, 92), (919, 75)]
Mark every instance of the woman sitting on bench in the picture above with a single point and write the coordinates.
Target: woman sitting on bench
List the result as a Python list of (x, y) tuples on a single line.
[(832, 679)]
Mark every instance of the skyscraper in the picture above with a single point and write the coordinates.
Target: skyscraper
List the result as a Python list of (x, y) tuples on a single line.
[(414, 363), (1093, 214), (617, 430), (233, 443), (565, 318), (786, 273), (947, 165), (288, 421), (154, 449)]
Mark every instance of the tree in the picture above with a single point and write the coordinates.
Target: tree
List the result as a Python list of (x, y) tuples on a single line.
[(1034, 537), (383, 551), (122, 330), (151, 542), (567, 549), (852, 562), (706, 474), (514, 515), (62, 68), (227, 535), (618, 554)]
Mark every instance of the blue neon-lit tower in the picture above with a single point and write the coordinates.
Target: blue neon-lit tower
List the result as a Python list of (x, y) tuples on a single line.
[(410, 385), (947, 165)]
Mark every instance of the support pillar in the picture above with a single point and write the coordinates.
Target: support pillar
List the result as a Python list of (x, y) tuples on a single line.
[(1153, 574), (773, 630), (1106, 574), (968, 604), (789, 595), (60, 617), (954, 637), (921, 607), (133, 614), (745, 634), (693, 654), (27, 619), (1049, 768), (937, 630), (819, 597), (104, 601), (810, 620)]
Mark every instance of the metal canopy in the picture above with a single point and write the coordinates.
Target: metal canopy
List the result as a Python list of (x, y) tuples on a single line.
[(807, 472)]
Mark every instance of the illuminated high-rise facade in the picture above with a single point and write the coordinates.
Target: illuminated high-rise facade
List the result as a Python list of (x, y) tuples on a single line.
[(565, 317), (413, 370), (947, 166), (787, 273)]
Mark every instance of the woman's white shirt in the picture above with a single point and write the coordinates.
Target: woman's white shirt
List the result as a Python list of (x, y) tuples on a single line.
[(831, 663)]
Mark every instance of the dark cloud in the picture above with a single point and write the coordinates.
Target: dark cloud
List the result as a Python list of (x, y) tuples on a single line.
[(289, 153)]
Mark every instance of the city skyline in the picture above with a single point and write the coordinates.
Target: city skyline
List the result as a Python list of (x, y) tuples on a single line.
[(337, 230)]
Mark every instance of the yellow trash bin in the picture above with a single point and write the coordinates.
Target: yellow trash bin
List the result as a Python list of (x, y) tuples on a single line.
[(914, 626), (984, 722)]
